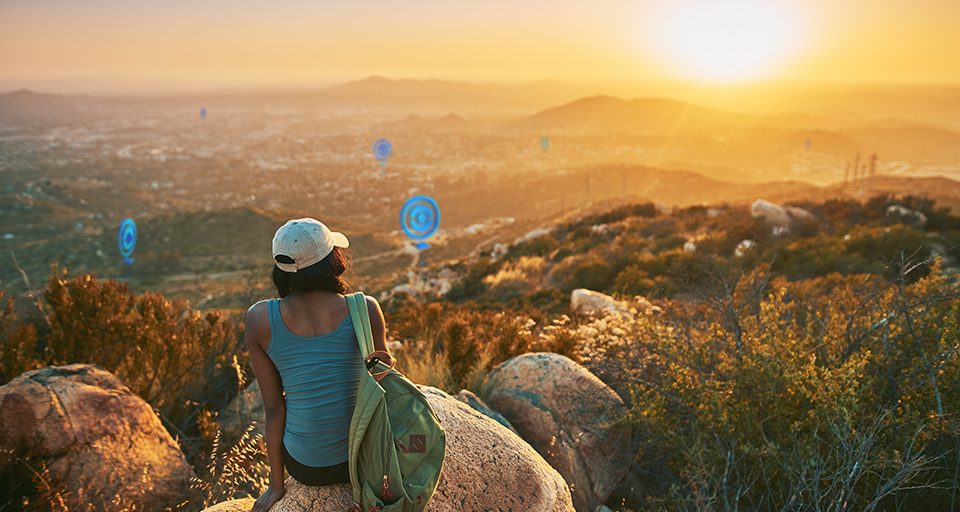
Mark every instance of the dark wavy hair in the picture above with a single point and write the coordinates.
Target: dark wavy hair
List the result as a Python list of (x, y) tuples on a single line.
[(325, 275)]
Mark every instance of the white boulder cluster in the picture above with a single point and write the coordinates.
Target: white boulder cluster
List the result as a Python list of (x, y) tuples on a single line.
[(590, 302), (910, 216), (421, 286), (783, 218)]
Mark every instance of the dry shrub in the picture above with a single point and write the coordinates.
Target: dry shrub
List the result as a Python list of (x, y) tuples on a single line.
[(455, 345), (175, 358), (18, 343), (840, 393), (233, 472), (519, 275), (28, 485)]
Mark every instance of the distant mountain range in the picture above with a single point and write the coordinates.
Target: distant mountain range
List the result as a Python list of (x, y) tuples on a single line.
[(606, 113), (376, 88), (371, 91), (554, 101)]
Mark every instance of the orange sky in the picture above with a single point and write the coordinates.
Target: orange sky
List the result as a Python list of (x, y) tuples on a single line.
[(133, 45)]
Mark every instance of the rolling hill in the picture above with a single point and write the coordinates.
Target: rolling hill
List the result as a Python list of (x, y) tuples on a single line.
[(607, 113)]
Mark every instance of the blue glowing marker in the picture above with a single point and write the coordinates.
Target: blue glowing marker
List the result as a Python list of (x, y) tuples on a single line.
[(381, 150), (127, 239), (544, 143), (203, 113), (420, 218)]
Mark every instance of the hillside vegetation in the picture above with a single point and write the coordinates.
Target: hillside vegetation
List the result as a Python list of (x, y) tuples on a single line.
[(818, 369), (687, 253)]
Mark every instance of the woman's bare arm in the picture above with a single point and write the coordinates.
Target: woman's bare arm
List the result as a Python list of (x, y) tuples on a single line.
[(378, 325), (257, 335)]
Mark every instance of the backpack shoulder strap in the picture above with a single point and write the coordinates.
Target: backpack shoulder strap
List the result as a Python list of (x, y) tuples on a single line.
[(357, 303)]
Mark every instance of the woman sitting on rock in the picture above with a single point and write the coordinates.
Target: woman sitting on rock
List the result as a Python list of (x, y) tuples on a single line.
[(306, 358)]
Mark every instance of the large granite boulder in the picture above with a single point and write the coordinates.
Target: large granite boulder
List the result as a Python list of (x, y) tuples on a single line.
[(468, 397), (99, 441), (569, 416), (487, 467)]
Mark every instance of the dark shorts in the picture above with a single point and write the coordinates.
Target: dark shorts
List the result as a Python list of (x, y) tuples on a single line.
[(316, 476)]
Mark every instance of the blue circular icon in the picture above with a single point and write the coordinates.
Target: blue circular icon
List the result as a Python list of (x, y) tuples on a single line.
[(544, 143), (127, 239), (203, 113), (382, 149), (420, 218)]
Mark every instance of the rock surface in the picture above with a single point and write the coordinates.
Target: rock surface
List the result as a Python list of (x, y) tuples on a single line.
[(780, 216), (910, 216), (486, 468), (590, 302), (98, 440), (587, 301), (565, 412), (468, 397)]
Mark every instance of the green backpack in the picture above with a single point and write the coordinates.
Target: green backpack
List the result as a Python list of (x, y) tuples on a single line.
[(396, 443)]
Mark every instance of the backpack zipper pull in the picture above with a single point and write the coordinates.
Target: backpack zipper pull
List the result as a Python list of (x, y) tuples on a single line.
[(386, 488)]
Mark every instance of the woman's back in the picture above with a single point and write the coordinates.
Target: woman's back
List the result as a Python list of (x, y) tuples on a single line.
[(319, 374)]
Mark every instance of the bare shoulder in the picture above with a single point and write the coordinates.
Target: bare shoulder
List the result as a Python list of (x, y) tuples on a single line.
[(372, 304), (258, 310), (257, 323)]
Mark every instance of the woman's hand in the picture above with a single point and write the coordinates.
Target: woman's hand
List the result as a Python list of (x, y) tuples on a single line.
[(267, 499)]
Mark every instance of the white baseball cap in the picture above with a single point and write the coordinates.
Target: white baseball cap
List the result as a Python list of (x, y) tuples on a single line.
[(306, 241)]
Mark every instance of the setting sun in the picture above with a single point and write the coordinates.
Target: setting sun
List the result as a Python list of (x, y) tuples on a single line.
[(726, 41)]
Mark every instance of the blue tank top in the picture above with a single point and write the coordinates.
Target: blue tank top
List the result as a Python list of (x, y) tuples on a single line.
[(320, 376)]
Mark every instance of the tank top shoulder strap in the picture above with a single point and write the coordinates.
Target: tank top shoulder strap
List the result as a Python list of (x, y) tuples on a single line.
[(276, 324)]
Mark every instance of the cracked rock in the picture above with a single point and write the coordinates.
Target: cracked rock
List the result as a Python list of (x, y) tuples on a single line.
[(568, 415), (103, 445), (487, 467)]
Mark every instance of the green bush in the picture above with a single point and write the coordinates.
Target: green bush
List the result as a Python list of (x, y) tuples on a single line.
[(584, 271), (840, 391)]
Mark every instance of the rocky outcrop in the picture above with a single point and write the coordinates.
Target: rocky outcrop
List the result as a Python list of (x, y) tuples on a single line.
[(421, 285), (486, 468), (568, 415), (909, 216), (98, 440), (783, 217), (468, 397), (587, 301)]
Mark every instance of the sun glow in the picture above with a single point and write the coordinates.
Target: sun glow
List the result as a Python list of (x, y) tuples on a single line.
[(726, 41)]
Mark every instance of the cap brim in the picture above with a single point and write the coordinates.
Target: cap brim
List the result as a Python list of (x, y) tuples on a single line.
[(286, 267), (339, 239)]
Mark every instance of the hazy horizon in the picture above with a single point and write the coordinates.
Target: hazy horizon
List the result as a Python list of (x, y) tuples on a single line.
[(111, 47), (625, 90)]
